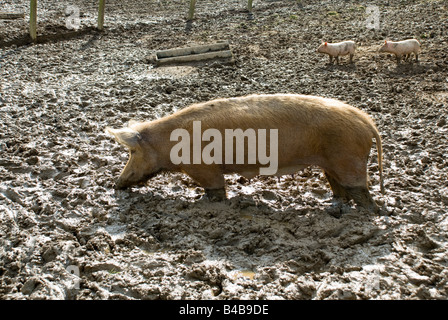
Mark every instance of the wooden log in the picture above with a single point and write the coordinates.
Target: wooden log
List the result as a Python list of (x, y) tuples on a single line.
[(227, 54), (224, 45), (12, 15)]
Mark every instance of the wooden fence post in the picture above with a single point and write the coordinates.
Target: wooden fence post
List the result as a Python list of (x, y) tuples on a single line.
[(101, 14), (191, 11), (33, 20)]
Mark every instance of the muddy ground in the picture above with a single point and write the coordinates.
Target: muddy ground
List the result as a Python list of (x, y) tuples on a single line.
[(65, 233)]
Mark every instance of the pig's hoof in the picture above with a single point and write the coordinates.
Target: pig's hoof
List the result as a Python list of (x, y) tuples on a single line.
[(216, 194)]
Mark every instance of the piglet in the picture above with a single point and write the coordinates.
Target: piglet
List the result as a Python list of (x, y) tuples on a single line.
[(402, 48), (338, 49)]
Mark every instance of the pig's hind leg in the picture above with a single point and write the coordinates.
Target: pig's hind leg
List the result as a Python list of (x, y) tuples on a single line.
[(350, 181), (362, 197), (339, 196), (338, 190), (359, 194)]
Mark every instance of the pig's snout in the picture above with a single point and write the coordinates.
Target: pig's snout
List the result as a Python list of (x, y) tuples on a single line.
[(125, 181), (121, 185)]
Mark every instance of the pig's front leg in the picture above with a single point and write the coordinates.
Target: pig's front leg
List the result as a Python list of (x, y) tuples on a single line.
[(211, 179)]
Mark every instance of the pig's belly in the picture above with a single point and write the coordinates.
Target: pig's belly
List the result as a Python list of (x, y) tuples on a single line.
[(251, 173)]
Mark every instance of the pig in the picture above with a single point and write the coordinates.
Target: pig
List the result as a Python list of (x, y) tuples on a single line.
[(402, 48), (338, 49), (311, 130)]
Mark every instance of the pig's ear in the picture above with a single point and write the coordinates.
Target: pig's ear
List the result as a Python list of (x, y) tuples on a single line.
[(125, 136)]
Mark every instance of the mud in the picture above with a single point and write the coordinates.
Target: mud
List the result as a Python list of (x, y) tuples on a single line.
[(65, 233)]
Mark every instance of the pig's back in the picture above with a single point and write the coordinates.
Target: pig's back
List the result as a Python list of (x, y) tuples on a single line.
[(310, 129)]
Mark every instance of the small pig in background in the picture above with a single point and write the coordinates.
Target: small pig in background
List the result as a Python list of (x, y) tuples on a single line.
[(334, 50), (402, 48)]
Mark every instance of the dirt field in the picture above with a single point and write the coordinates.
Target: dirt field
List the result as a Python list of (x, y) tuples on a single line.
[(65, 233)]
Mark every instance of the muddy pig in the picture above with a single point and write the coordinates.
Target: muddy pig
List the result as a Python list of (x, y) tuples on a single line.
[(207, 140), (338, 49), (402, 48)]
